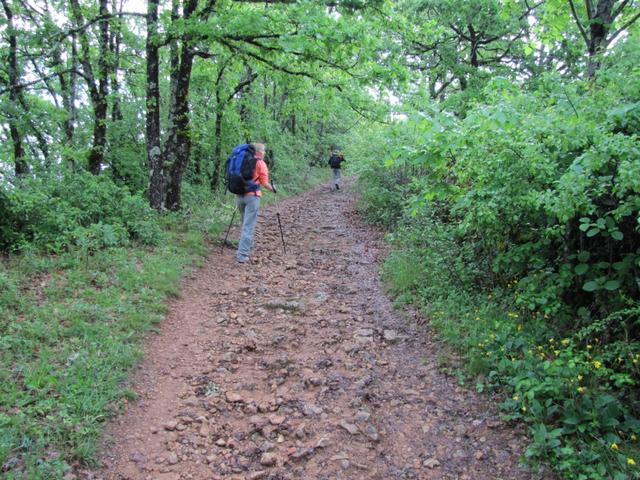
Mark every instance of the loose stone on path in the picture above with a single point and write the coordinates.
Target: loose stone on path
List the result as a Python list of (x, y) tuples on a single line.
[(298, 367)]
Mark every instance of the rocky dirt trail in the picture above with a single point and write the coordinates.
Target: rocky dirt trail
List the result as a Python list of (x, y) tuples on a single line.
[(297, 367)]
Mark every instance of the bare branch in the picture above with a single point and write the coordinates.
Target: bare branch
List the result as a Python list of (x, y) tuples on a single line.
[(619, 10), (50, 89), (241, 86), (22, 86), (631, 21), (589, 6), (529, 9), (362, 113), (303, 55), (271, 64), (459, 32), (577, 19)]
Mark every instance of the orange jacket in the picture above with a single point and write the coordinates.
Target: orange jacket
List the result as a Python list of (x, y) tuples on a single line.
[(261, 175)]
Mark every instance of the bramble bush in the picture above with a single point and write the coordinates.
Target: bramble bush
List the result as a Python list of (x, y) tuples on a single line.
[(518, 231)]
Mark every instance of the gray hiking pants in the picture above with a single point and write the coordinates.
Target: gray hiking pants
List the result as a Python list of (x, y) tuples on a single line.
[(249, 205), (336, 177)]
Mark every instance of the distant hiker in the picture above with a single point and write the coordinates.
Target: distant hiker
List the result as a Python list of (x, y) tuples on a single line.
[(246, 173), (335, 160)]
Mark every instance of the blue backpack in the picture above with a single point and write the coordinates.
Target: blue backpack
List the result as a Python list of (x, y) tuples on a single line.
[(241, 167)]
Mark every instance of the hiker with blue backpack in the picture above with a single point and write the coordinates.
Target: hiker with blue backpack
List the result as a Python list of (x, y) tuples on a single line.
[(247, 172)]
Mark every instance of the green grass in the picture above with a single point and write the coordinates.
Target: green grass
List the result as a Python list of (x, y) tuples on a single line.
[(68, 342)]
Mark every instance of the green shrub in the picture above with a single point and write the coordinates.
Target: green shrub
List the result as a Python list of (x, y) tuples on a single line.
[(52, 213), (517, 231)]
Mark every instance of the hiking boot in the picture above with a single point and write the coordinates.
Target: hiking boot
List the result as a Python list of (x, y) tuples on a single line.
[(242, 260), (337, 187)]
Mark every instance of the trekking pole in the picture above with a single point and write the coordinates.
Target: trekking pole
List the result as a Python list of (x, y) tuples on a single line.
[(228, 230), (284, 247)]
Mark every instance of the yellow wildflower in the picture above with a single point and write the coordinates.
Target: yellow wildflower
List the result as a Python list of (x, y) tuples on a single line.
[(566, 341), (597, 364), (582, 389), (633, 437), (516, 398), (524, 409), (580, 377), (589, 347), (614, 446), (631, 461)]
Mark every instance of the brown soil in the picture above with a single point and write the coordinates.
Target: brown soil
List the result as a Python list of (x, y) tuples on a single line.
[(296, 366)]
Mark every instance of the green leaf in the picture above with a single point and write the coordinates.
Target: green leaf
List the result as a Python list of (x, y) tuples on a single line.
[(610, 223), (584, 226), (617, 235), (500, 117), (583, 312), (590, 286), (584, 256), (593, 232), (582, 268), (612, 285), (572, 420)]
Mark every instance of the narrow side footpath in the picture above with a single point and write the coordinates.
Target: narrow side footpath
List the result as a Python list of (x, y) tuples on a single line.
[(297, 367)]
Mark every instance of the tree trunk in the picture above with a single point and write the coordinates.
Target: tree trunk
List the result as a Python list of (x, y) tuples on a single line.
[(154, 155), (97, 91), (96, 157), (178, 143), (68, 92), (65, 91), (217, 131), (474, 44), (599, 28), (174, 65), (20, 163), (217, 151), (114, 47), (221, 105), (43, 144), (274, 96)]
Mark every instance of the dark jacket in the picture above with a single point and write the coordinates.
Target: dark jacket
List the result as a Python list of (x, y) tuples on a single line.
[(336, 160)]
